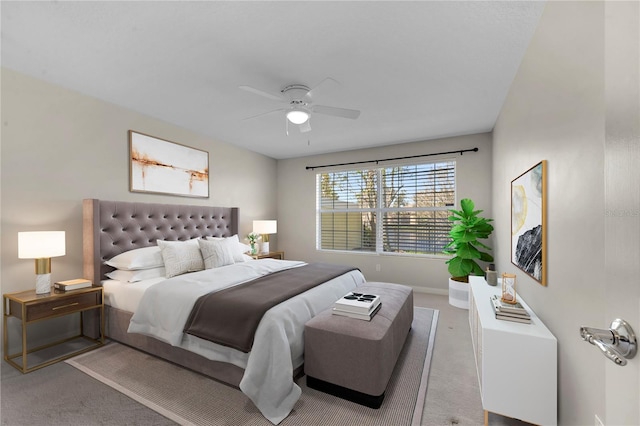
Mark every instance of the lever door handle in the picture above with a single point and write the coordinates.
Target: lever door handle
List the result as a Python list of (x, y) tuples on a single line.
[(610, 352), (618, 343)]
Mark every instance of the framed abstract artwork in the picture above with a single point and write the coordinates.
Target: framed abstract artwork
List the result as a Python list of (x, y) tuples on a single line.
[(528, 222), (165, 167)]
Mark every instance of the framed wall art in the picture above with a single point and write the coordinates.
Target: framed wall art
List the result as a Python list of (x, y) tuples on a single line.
[(165, 167), (528, 222)]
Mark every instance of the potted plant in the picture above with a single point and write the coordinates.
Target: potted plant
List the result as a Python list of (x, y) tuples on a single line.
[(467, 229), (253, 241)]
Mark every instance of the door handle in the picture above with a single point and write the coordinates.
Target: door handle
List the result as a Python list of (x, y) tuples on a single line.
[(618, 343)]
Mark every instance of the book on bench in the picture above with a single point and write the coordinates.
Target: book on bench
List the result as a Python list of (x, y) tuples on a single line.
[(359, 303), (366, 317)]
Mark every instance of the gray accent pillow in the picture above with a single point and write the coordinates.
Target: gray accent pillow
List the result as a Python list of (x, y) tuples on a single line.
[(217, 253), (181, 257), (238, 249)]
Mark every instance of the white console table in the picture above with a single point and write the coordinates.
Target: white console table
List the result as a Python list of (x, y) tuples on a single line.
[(516, 363)]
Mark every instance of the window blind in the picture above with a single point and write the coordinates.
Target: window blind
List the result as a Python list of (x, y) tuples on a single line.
[(400, 209)]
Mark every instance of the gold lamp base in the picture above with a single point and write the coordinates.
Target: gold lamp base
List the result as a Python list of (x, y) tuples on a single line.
[(264, 248)]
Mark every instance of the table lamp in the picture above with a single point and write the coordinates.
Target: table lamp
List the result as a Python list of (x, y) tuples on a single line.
[(265, 227), (41, 246)]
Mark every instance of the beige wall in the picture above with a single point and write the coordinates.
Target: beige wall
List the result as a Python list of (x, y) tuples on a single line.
[(297, 203), (555, 111), (622, 198), (59, 147)]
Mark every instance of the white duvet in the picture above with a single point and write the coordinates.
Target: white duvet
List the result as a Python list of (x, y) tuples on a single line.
[(278, 346)]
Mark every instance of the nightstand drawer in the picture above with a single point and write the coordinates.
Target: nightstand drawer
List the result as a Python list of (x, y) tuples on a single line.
[(62, 306)]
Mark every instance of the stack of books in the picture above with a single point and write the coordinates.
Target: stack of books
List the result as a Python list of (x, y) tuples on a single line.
[(358, 305), (72, 284), (510, 312)]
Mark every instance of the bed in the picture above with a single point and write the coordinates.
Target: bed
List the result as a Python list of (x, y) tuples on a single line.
[(112, 228)]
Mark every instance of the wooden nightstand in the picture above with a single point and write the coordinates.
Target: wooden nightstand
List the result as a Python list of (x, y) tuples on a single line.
[(270, 255), (30, 308)]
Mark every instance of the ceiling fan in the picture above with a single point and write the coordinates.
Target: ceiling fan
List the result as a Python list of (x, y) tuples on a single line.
[(298, 98)]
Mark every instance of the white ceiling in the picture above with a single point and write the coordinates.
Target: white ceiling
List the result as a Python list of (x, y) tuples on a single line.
[(416, 70)]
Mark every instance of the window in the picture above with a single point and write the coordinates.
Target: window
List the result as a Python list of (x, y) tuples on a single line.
[(400, 209)]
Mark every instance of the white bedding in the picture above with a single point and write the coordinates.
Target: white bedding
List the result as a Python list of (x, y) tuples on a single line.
[(164, 306), (126, 296)]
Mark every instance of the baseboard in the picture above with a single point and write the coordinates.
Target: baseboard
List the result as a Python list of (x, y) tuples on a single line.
[(429, 290)]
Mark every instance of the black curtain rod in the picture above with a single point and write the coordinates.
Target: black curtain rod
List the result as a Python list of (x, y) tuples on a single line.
[(461, 151)]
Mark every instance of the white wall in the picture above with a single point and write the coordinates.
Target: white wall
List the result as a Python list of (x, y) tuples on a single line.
[(622, 198), (555, 111), (59, 146), (297, 203)]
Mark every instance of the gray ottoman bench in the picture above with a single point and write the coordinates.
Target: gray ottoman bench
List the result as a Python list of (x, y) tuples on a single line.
[(353, 358)]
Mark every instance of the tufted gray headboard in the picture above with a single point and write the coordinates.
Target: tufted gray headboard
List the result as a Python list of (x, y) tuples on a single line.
[(113, 227)]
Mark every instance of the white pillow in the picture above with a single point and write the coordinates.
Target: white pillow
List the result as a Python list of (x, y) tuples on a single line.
[(135, 276), (181, 257), (217, 253), (142, 258), (245, 248), (237, 248)]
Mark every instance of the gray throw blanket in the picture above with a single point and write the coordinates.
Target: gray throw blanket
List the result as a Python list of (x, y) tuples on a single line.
[(231, 316)]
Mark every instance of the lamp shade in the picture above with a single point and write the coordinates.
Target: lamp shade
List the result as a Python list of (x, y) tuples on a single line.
[(265, 226), (43, 244)]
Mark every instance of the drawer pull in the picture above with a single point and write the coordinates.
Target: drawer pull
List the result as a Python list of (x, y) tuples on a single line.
[(65, 306)]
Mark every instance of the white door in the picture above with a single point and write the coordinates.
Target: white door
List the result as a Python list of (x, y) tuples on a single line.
[(622, 200)]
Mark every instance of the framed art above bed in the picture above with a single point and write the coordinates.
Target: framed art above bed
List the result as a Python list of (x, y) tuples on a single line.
[(164, 167)]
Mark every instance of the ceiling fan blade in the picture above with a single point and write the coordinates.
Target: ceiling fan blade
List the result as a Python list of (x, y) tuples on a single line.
[(314, 90), (264, 113), (305, 127), (336, 112), (262, 93)]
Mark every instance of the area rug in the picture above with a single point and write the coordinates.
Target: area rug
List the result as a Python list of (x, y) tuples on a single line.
[(189, 398)]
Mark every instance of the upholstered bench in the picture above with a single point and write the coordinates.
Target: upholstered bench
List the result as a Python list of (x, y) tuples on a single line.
[(353, 358)]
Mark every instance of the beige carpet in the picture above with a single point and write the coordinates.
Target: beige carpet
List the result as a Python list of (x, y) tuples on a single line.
[(189, 398)]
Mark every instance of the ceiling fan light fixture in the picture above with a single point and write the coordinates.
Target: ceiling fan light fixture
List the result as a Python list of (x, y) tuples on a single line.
[(297, 116)]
